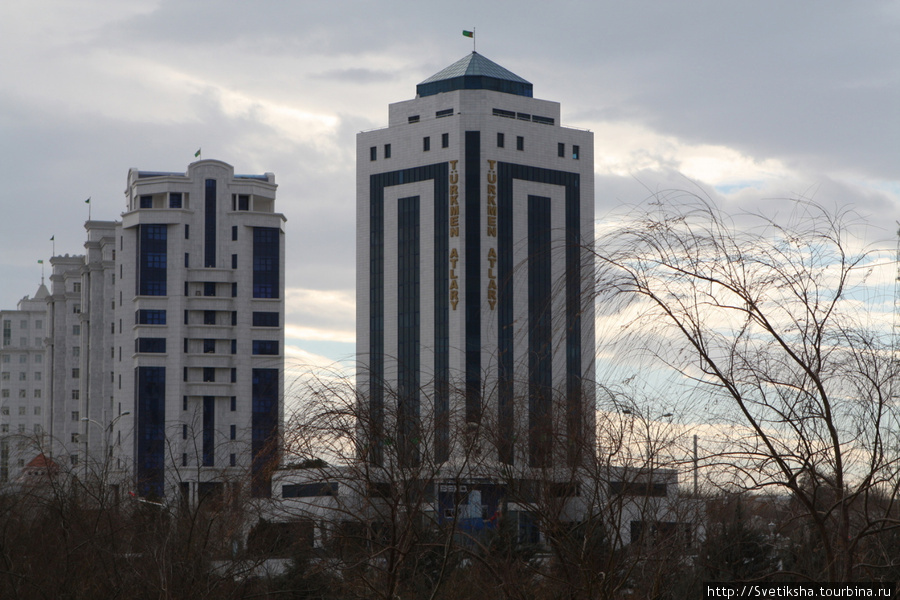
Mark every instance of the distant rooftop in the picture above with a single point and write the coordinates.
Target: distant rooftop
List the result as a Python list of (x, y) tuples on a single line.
[(475, 72)]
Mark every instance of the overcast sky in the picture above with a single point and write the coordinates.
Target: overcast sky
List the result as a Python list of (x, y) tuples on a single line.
[(752, 101)]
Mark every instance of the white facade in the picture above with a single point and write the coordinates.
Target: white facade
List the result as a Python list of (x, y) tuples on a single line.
[(157, 358), (474, 215), (22, 384)]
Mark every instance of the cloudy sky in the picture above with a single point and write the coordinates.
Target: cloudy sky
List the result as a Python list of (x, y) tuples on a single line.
[(752, 102)]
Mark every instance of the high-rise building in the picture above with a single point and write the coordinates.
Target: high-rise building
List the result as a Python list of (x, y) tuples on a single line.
[(22, 383), (475, 215), (198, 315)]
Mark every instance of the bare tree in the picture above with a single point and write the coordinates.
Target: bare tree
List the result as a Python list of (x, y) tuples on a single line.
[(772, 324)]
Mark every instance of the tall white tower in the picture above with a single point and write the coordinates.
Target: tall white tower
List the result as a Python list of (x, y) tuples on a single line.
[(474, 214)]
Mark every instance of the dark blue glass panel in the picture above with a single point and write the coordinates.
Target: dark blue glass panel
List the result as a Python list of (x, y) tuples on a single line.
[(408, 326), (265, 347), (264, 431), (266, 262), (152, 259), (145, 344), (209, 431), (265, 319), (473, 276), (209, 224), (150, 384), (540, 376), (150, 317)]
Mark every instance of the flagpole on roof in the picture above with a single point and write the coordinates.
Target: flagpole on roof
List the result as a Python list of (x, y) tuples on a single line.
[(53, 245), (88, 202)]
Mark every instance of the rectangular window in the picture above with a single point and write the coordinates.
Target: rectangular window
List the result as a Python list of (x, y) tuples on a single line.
[(234, 432), (234, 289), (576, 152), (209, 317), (151, 317), (146, 201), (265, 319), (232, 459), (234, 261), (413, 119), (184, 431), (520, 142), (37, 394), (501, 140), (145, 344), (76, 395), (209, 224), (373, 153), (233, 375), (243, 202), (561, 150), (184, 403), (266, 262), (209, 430), (443, 113), (175, 199), (187, 260), (426, 143), (523, 116), (387, 150), (152, 256), (37, 375), (76, 351), (187, 231), (209, 288), (445, 140), (234, 232), (233, 318), (269, 347), (508, 114), (209, 374), (76, 373), (233, 403), (209, 346), (38, 324), (234, 346)]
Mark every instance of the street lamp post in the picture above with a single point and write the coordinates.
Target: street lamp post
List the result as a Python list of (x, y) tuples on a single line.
[(107, 431)]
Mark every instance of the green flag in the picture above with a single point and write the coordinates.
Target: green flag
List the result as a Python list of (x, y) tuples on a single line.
[(40, 261), (52, 237), (468, 33), (197, 153), (88, 201)]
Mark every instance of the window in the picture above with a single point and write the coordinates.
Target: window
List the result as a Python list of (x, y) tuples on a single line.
[(209, 288), (233, 403), (37, 411), (234, 232), (74, 438), (184, 431), (6, 358), (443, 113), (445, 140), (76, 395), (73, 459), (76, 309), (23, 358), (232, 458), (76, 373), (233, 318), (76, 287), (22, 394), (38, 324), (21, 411), (187, 260), (146, 344), (233, 375), (373, 153), (266, 262), (426, 144), (175, 199), (387, 150), (501, 140), (146, 201), (234, 261), (508, 114), (4, 428), (234, 346), (209, 346), (209, 317), (561, 150), (38, 359), (37, 375), (269, 347), (150, 317), (184, 403), (234, 432), (23, 376), (234, 289), (243, 201), (5, 410), (413, 119), (76, 351), (5, 376), (520, 142), (209, 374), (576, 152), (184, 460), (37, 394), (187, 231), (265, 319)]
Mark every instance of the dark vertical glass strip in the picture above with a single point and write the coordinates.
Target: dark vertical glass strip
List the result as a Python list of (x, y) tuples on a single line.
[(209, 431), (505, 328), (150, 438), (574, 393), (473, 275), (540, 375), (209, 226), (440, 174), (264, 442), (408, 331)]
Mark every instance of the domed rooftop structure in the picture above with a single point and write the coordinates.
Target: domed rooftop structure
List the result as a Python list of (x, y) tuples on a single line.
[(475, 72)]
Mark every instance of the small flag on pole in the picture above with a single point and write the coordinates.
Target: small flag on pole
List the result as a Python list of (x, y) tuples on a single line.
[(40, 261), (88, 201), (52, 238), (197, 153), (468, 33)]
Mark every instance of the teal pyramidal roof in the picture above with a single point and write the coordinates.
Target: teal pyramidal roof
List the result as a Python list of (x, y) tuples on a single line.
[(475, 72)]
